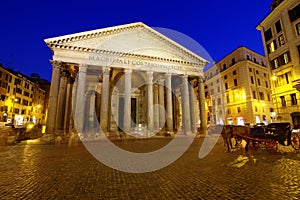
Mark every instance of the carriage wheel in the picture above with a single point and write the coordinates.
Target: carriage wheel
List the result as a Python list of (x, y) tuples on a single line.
[(272, 146), (295, 141)]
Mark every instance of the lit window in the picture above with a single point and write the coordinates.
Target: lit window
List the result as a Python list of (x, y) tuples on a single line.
[(281, 40), (272, 47), (276, 63), (285, 58)]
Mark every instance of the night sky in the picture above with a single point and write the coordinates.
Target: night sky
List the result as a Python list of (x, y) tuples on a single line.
[(219, 26)]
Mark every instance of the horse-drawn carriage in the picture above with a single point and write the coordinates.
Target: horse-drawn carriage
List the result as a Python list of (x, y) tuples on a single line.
[(269, 136)]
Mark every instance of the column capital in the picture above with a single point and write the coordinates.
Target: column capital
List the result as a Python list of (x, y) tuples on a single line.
[(168, 75), (106, 70), (56, 64), (149, 77), (200, 79), (128, 70), (83, 68), (161, 81)]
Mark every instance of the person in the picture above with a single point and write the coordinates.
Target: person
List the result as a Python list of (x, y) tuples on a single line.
[(58, 141)]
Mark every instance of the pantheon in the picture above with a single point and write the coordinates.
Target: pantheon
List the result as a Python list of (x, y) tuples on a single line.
[(125, 79)]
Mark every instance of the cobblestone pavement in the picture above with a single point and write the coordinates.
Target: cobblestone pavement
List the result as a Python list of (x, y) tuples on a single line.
[(45, 172)]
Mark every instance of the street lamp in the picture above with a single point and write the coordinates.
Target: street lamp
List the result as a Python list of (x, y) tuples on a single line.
[(274, 79)]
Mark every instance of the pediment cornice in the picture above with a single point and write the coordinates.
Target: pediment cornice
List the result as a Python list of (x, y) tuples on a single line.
[(65, 42)]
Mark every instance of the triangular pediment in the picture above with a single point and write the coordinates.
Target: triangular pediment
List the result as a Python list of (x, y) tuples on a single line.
[(136, 39)]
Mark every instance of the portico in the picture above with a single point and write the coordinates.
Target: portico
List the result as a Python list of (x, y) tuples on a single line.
[(128, 78)]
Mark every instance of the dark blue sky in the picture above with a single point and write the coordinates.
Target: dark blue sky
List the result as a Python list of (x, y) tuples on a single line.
[(219, 26)]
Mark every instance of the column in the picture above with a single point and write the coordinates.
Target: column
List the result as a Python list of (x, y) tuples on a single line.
[(156, 108), (61, 105), (79, 116), (127, 101), (150, 101), (192, 109), (161, 97), (68, 104), (202, 112), (51, 119), (105, 100), (185, 103), (169, 107)]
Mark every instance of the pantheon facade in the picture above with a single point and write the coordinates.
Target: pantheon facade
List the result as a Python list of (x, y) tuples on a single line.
[(124, 79)]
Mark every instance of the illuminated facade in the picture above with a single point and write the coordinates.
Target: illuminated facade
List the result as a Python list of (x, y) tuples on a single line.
[(280, 31), (128, 78), (238, 89), (23, 99)]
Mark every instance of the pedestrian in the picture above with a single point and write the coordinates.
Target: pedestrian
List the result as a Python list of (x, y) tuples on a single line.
[(58, 141)]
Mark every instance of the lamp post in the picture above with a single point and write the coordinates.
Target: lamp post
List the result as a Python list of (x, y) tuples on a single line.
[(274, 79)]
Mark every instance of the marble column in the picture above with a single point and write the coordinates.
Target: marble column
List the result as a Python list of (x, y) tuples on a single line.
[(192, 109), (185, 102), (169, 108), (68, 104), (61, 105), (156, 108), (202, 111), (105, 100), (52, 109), (161, 96), (150, 101), (79, 116), (127, 101)]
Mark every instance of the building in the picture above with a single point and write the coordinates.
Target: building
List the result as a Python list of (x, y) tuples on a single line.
[(238, 89), (22, 98), (280, 31), (128, 78)]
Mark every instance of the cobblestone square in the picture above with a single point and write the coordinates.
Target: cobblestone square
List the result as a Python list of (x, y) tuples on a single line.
[(31, 171)]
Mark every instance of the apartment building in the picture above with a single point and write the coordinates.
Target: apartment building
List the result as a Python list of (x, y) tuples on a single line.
[(22, 98), (238, 89), (280, 31)]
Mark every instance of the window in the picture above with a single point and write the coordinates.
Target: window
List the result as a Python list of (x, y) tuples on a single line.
[(258, 81), (219, 90), (227, 98), (2, 97), (219, 101), (228, 111), (283, 103), (286, 58), (248, 57), (269, 98), (252, 80), (238, 109), (294, 13), (212, 91), (224, 66), (256, 110), (234, 72), (233, 61), (272, 46), (0, 74), (293, 99), (23, 112), (267, 85), (6, 77), (287, 78), (235, 82), (298, 47), (281, 40), (298, 28), (261, 96), (268, 34), (254, 60), (278, 26), (257, 72), (254, 94), (226, 86), (18, 90), (225, 77), (250, 69)]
